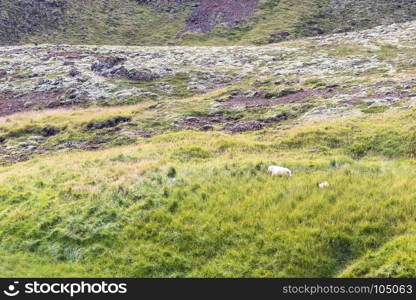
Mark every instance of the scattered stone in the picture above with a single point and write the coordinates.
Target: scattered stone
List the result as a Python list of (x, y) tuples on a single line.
[(48, 131), (3, 73), (43, 81), (246, 126), (140, 75), (122, 72), (107, 64), (207, 128), (74, 73), (156, 106), (23, 144), (27, 104), (35, 138)]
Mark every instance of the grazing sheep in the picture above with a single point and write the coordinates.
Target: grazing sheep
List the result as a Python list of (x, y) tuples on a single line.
[(323, 185), (279, 171)]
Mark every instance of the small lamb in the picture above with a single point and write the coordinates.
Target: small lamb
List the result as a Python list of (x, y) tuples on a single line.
[(323, 185), (279, 171)]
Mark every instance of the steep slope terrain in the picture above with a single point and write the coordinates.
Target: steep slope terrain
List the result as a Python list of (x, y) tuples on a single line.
[(176, 183), (212, 22), (210, 13), (149, 161)]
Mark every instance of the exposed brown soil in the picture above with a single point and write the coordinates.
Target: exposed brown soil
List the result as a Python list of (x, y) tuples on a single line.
[(11, 102), (211, 12), (259, 100), (234, 125)]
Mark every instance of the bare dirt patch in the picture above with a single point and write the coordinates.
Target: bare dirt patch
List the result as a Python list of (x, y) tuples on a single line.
[(211, 12), (11, 102)]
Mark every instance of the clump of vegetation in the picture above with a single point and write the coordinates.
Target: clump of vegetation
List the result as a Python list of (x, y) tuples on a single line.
[(171, 172), (280, 93), (375, 109)]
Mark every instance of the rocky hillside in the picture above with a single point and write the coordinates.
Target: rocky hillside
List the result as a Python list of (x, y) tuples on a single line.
[(133, 160), (161, 22)]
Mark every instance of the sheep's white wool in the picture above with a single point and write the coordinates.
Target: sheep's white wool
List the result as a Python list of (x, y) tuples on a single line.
[(280, 171), (323, 185)]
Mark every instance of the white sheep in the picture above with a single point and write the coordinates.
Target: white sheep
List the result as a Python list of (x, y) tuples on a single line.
[(323, 185), (279, 171)]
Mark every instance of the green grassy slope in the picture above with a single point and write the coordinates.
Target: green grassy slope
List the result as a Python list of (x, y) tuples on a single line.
[(194, 203), (91, 22), (131, 23), (394, 259), (202, 204)]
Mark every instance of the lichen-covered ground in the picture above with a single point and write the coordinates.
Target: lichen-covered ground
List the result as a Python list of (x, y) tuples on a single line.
[(237, 89), (151, 161)]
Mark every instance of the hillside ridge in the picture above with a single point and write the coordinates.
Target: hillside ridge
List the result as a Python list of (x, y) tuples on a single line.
[(190, 22)]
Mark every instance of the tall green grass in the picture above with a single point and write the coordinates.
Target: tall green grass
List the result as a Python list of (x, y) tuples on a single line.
[(190, 204)]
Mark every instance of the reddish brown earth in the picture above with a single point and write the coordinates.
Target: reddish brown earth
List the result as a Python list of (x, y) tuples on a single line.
[(235, 125), (211, 12), (12, 103)]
